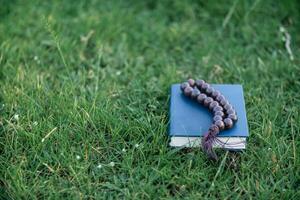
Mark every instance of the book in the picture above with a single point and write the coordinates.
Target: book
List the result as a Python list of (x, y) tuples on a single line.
[(189, 120)]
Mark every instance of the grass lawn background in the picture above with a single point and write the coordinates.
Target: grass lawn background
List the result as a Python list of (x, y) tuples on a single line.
[(84, 88)]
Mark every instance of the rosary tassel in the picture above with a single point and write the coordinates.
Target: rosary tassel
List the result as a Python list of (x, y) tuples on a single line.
[(208, 141)]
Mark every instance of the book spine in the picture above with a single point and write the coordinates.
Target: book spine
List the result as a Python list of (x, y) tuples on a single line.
[(171, 104)]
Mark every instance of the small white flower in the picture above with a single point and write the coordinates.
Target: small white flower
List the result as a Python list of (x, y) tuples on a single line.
[(78, 157), (269, 149), (124, 150), (99, 166), (118, 73), (35, 123), (16, 117), (281, 29), (112, 164), (136, 145), (36, 59)]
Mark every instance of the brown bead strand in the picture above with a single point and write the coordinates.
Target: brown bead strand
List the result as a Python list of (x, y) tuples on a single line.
[(224, 114)]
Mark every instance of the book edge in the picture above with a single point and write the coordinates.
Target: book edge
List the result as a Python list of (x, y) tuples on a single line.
[(196, 142)]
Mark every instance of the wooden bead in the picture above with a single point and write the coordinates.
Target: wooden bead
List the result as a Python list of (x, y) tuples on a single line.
[(220, 124), (188, 91), (215, 93), (214, 129), (217, 108), (191, 82), (227, 106), (228, 123), (204, 86), (209, 90), (230, 111), (219, 113), (213, 104), (220, 98), (184, 85), (207, 101), (233, 117), (195, 93), (199, 83), (217, 118), (224, 102), (201, 97)]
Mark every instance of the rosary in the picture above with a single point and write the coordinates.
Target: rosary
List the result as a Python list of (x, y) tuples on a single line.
[(224, 114)]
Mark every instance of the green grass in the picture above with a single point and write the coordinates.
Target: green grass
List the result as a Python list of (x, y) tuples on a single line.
[(82, 80)]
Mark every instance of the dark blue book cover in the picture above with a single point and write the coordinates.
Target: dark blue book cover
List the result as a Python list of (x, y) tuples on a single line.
[(189, 118)]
